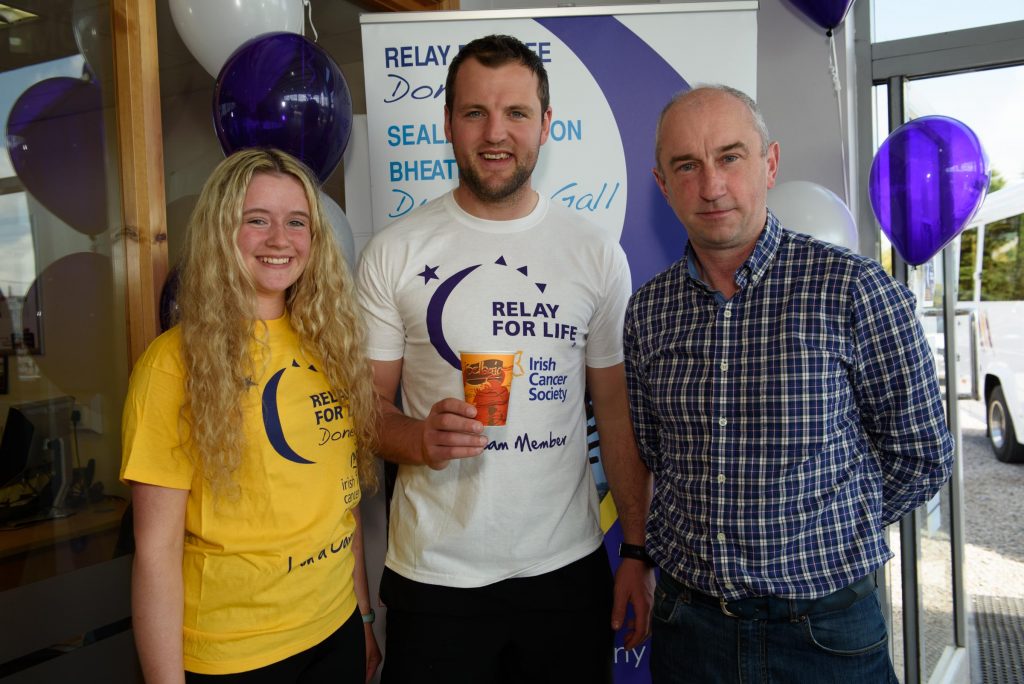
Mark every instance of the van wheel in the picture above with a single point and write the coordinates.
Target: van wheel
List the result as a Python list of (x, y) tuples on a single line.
[(1000, 429)]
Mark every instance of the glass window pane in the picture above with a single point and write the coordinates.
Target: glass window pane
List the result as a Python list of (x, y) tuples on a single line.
[(936, 580), (935, 561), (895, 19), (894, 581), (990, 273), (63, 368), (880, 129), (17, 261), (989, 102)]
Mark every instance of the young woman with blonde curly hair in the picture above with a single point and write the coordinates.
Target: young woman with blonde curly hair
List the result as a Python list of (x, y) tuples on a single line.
[(247, 433)]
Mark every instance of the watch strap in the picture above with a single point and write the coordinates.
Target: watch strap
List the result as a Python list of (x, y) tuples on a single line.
[(636, 552)]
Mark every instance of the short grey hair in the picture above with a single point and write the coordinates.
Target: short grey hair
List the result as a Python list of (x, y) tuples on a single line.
[(755, 113)]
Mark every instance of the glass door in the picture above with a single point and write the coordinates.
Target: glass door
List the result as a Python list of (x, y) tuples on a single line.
[(973, 76)]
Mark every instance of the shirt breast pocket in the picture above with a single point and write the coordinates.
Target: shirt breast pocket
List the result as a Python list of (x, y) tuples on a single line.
[(806, 394)]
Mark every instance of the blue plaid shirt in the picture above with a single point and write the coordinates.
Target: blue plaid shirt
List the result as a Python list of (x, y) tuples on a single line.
[(785, 426)]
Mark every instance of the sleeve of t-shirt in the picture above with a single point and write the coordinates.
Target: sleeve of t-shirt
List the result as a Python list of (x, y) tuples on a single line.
[(604, 339), (385, 329), (151, 428)]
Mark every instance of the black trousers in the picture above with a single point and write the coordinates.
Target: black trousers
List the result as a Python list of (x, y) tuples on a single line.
[(550, 628)]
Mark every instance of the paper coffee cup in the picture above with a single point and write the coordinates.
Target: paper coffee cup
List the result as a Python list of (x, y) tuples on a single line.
[(487, 382)]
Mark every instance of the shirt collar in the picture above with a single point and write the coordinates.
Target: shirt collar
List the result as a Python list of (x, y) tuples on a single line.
[(756, 265)]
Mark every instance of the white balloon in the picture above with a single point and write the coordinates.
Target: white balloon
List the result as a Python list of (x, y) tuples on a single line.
[(213, 29), (90, 23), (809, 208), (340, 226)]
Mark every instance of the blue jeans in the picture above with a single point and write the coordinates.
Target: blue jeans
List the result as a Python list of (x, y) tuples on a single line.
[(695, 642)]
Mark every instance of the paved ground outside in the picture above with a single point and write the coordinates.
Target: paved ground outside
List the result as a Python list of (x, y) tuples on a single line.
[(994, 532), (994, 563)]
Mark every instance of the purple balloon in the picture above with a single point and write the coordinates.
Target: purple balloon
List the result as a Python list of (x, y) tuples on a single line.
[(825, 13), (927, 180), (72, 303), (55, 139), (282, 90), (169, 301)]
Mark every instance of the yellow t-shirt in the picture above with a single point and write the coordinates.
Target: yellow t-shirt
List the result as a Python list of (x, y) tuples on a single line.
[(268, 575)]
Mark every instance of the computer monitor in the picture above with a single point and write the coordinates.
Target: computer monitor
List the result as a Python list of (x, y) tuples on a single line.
[(35, 459)]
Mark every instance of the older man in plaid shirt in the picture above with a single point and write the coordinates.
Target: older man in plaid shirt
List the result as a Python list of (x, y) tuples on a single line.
[(785, 399)]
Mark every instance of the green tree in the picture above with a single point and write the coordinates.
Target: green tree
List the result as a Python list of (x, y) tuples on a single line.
[(1003, 264), (968, 245), (996, 181)]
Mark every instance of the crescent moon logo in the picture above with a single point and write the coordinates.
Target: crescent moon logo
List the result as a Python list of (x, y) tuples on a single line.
[(653, 240), (435, 310), (272, 419)]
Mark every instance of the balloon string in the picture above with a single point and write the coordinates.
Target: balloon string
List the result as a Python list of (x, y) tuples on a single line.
[(309, 13), (833, 67)]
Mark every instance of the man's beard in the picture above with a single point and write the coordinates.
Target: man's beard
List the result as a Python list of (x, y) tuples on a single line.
[(489, 193)]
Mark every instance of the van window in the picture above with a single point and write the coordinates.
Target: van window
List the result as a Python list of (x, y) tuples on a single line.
[(1002, 271)]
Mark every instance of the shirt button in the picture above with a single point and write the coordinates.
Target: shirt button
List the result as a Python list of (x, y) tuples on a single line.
[(728, 586), (721, 536), (723, 422), (727, 313), (724, 365), (721, 478)]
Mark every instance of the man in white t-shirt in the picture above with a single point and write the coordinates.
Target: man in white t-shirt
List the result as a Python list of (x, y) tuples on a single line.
[(496, 570)]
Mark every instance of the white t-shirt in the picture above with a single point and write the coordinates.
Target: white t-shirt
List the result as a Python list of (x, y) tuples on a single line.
[(549, 285)]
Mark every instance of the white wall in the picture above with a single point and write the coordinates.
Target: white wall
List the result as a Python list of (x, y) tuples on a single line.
[(796, 95)]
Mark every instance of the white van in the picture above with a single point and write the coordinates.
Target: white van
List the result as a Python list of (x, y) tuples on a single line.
[(996, 336)]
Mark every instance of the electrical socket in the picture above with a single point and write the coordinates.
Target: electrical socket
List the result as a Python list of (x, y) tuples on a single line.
[(90, 415)]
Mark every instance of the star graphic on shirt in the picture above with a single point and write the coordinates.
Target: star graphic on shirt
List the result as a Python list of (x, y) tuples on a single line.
[(429, 273), (522, 269)]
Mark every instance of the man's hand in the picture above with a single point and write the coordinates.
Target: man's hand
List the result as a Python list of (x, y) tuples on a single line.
[(450, 431), (634, 584)]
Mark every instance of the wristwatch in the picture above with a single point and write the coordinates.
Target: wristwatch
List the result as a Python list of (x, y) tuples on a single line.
[(636, 552), (368, 618)]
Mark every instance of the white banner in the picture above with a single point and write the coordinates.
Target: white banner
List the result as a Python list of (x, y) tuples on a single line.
[(611, 70)]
